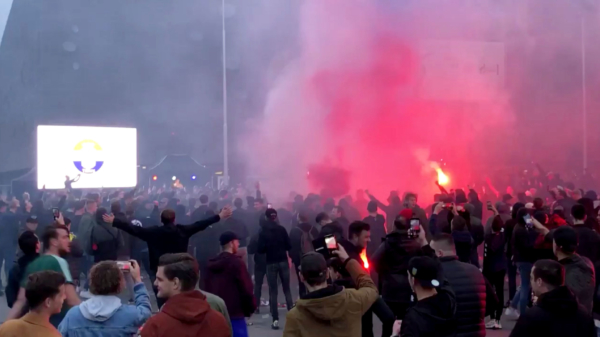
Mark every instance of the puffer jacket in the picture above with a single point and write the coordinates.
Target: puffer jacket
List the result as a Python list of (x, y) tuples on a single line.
[(580, 279), (468, 285), (391, 262), (333, 311)]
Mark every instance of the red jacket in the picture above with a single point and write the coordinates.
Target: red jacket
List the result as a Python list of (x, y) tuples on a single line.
[(187, 315)]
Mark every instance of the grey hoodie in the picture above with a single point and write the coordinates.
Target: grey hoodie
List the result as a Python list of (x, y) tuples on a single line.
[(100, 308)]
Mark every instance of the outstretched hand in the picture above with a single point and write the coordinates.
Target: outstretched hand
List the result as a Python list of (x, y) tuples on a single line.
[(225, 213), (108, 218), (341, 253)]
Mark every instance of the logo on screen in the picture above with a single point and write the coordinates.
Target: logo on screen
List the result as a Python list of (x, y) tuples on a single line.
[(88, 156)]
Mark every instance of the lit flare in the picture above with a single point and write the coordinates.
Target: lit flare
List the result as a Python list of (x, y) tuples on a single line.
[(442, 177), (363, 257)]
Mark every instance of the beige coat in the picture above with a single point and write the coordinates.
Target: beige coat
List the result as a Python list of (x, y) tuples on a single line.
[(29, 325)]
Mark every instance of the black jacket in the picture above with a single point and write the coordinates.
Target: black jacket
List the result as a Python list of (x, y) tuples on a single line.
[(378, 232), (431, 317), (580, 279), (494, 256), (468, 285), (556, 314), (15, 275), (260, 260), (296, 240), (523, 242), (274, 241), (391, 262), (589, 243), (9, 229), (169, 238)]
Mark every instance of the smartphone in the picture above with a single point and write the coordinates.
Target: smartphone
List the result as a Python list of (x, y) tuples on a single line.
[(448, 205), (415, 225), (528, 221), (330, 242), (124, 265), (55, 213), (489, 205)]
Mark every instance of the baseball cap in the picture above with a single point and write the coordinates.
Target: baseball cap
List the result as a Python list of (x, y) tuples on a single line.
[(227, 237), (271, 214), (313, 266), (426, 270), (565, 238), (32, 219)]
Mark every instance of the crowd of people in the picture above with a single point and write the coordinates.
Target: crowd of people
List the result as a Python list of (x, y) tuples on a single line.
[(433, 271)]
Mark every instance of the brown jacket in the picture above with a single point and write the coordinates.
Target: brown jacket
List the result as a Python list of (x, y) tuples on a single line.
[(336, 315), (31, 324)]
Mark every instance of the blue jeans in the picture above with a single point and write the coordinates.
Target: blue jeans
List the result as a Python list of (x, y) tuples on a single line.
[(239, 327), (525, 292)]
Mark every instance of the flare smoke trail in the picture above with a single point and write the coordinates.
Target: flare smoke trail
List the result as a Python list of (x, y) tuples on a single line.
[(381, 93)]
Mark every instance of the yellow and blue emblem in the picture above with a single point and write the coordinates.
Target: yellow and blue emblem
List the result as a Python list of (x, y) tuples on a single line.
[(88, 156)]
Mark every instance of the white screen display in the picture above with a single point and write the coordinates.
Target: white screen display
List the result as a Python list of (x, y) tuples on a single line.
[(101, 157)]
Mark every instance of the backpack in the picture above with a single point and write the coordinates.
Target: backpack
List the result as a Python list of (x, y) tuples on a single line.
[(306, 241)]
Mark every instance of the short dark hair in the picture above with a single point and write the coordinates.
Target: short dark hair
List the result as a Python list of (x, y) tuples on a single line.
[(105, 278), (445, 239), (411, 195), (357, 227), (203, 199), (182, 266), (566, 239), (238, 202), (578, 212), (372, 206), (79, 204), (51, 232), (43, 285), (551, 272), (538, 203), (28, 242), (167, 216), (115, 207), (321, 217), (458, 223), (90, 201), (401, 223)]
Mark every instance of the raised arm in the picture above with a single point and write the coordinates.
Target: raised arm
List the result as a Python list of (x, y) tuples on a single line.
[(381, 205), (137, 231), (203, 224)]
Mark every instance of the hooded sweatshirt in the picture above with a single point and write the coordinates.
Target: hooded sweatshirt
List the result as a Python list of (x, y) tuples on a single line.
[(333, 311), (229, 279), (187, 315), (431, 317), (556, 314), (106, 316)]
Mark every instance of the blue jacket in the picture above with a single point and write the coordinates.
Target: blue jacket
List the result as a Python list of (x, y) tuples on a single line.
[(105, 316)]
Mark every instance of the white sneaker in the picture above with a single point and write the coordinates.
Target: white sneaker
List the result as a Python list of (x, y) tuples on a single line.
[(85, 294), (493, 324), (512, 313), (275, 325)]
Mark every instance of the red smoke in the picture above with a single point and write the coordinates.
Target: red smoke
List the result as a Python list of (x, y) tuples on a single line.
[(349, 111)]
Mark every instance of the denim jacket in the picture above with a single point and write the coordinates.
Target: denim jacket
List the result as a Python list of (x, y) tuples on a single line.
[(105, 316)]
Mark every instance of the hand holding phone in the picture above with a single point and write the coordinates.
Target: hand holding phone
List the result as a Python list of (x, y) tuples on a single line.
[(528, 221), (341, 253), (124, 265), (489, 205)]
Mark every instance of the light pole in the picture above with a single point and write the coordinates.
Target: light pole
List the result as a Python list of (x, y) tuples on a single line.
[(584, 95), (225, 136)]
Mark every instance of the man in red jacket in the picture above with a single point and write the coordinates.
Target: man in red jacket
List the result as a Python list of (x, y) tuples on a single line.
[(229, 279), (186, 312)]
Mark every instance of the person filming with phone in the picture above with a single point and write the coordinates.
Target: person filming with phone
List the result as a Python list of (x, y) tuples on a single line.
[(103, 313), (330, 310), (391, 261), (525, 254)]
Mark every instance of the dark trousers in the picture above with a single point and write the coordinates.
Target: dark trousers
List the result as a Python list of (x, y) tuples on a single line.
[(301, 286), (496, 279), (281, 269), (512, 280), (398, 308), (8, 253), (385, 315), (259, 277)]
